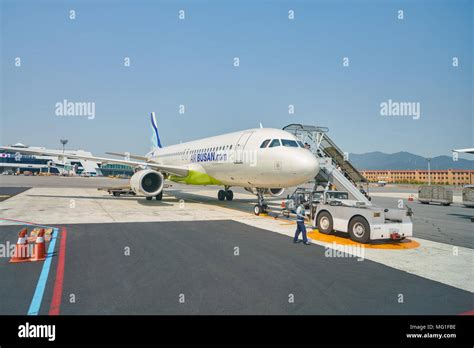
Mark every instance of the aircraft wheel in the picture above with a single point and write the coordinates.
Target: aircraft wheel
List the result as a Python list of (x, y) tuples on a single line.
[(229, 195), (221, 195), (257, 210), (159, 196), (149, 198)]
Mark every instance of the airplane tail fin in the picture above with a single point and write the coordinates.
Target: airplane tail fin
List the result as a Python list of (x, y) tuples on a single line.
[(155, 137)]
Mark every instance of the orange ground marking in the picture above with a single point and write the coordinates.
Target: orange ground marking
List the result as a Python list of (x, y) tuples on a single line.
[(379, 244)]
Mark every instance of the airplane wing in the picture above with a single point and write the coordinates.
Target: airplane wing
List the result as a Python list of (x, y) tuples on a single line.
[(174, 170), (125, 155)]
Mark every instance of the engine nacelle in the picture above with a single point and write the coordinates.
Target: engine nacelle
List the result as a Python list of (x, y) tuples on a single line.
[(275, 192), (147, 182)]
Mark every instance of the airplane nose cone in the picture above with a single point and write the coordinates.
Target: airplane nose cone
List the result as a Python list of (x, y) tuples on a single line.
[(298, 166), (309, 164)]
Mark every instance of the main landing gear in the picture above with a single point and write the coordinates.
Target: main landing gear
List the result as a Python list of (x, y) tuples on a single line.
[(261, 207), (225, 194), (158, 197)]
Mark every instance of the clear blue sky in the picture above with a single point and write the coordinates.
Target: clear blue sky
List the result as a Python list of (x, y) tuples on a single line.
[(282, 62)]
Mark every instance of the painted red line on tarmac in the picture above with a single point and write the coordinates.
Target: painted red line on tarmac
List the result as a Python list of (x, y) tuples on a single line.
[(467, 313), (58, 284), (17, 221)]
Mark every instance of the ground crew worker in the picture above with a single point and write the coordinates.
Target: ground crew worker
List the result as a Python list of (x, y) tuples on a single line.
[(300, 227)]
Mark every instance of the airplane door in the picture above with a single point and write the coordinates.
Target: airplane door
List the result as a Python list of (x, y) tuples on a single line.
[(240, 146)]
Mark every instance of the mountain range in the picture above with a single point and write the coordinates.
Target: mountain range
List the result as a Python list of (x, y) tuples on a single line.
[(405, 161)]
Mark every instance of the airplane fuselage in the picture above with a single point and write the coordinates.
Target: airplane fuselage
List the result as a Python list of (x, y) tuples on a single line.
[(261, 157)]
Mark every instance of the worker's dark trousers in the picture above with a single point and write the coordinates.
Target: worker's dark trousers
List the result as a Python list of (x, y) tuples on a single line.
[(300, 228)]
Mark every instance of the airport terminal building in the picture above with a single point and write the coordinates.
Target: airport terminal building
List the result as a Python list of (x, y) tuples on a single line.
[(15, 163)]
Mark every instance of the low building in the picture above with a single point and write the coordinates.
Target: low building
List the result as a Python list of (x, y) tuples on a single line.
[(442, 177), (15, 162)]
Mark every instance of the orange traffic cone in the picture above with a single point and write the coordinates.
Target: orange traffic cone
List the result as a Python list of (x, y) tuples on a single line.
[(39, 252), (20, 254)]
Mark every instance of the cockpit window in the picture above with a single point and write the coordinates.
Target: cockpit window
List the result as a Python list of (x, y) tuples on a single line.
[(289, 143), (275, 143), (300, 143), (265, 144)]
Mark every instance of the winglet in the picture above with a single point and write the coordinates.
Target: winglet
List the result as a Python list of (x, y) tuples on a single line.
[(156, 137)]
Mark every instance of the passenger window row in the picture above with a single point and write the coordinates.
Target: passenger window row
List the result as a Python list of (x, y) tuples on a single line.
[(216, 148), (188, 152)]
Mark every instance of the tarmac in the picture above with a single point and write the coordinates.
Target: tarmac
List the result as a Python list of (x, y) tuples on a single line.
[(193, 254)]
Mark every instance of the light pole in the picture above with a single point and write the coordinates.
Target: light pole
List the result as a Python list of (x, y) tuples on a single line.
[(429, 170), (64, 142)]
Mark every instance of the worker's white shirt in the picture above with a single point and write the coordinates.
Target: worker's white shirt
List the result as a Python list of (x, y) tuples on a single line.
[(300, 213)]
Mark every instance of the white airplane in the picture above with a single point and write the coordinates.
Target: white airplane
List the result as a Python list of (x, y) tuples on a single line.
[(264, 161), (471, 150)]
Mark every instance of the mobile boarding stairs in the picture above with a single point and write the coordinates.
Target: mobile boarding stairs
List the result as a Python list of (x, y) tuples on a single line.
[(357, 215)]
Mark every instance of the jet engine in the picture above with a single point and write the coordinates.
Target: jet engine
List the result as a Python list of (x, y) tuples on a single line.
[(275, 192), (147, 182)]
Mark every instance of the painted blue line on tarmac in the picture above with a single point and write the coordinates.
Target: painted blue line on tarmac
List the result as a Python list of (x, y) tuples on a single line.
[(41, 285)]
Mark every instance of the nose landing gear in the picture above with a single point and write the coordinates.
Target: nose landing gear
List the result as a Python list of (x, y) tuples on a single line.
[(225, 194), (261, 207)]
